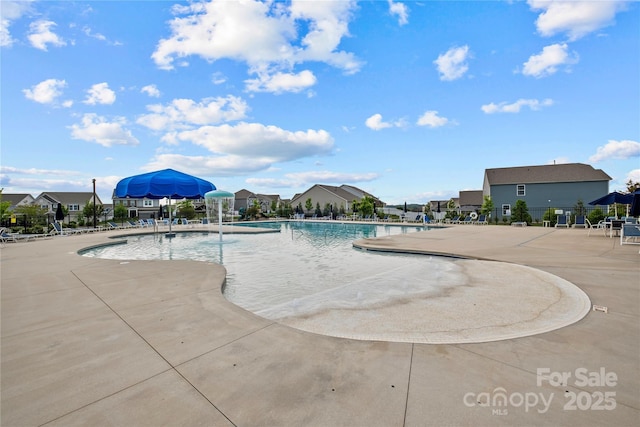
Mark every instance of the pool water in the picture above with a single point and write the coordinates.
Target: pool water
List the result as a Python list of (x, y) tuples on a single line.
[(308, 276), (273, 273)]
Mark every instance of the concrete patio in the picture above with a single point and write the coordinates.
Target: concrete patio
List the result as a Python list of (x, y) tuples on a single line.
[(87, 341)]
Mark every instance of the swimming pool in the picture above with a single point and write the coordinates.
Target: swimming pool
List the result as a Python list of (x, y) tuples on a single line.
[(266, 271), (308, 275)]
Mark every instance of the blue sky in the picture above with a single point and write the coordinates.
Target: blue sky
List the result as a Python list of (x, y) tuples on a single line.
[(410, 101)]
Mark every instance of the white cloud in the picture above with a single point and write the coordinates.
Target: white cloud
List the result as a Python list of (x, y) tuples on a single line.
[(151, 90), (328, 177), (34, 171), (257, 141), (281, 82), (400, 10), (11, 11), (576, 18), (547, 62), (186, 113), (100, 94), (453, 63), (218, 78), (616, 150), (431, 119), (242, 149), (515, 107), (97, 129), (46, 91), (375, 122), (633, 176), (40, 35), (267, 36), (271, 182)]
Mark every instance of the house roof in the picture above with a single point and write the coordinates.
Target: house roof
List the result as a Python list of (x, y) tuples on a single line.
[(471, 198), (569, 172), (244, 194), (15, 198), (69, 197)]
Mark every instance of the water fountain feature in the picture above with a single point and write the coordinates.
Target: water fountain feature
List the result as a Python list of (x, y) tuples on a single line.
[(219, 203)]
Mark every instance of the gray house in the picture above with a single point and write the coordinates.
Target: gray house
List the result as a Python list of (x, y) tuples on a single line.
[(341, 198), (560, 186)]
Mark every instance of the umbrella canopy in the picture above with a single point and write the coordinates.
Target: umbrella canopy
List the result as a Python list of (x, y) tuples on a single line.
[(612, 198), (59, 213), (635, 204), (164, 183)]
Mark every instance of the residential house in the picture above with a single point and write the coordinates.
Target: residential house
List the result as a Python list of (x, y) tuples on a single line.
[(74, 202), (340, 198), (244, 199), (16, 199), (560, 186), (470, 200)]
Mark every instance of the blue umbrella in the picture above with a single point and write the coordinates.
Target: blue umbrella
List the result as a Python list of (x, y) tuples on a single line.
[(613, 198), (167, 183), (635, 204)]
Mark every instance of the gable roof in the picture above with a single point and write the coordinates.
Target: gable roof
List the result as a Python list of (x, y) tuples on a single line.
[(69, 197), (17, 198), (471, 198), (568, 172)]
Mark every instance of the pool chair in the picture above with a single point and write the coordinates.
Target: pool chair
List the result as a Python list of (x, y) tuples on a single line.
[(455, 220), (630, 234), (58, 229), (6, 236), (466, 220), (563, 221), (482, 220), (581, 222)]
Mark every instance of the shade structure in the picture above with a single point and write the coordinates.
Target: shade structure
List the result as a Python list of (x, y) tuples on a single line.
[(635, 204), (166, 183), (612, 198), (59, 213)]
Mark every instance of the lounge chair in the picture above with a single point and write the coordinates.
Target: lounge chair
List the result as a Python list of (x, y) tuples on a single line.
[(482, 220), (467, 220), (455, 220), (581, 222), (6, 236), (563, 221), (58, 229), (630, 232)]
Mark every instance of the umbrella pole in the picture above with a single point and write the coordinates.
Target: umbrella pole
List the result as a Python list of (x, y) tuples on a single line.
[(170, 220)]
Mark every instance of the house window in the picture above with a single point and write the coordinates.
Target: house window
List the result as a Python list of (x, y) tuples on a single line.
[(506, 210), (73, 208), (147, 203), (520, 190)]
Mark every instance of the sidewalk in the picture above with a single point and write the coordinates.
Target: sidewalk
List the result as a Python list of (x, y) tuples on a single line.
[(146, 343)]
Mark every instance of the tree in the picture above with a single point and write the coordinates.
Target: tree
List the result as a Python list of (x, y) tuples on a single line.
[(186, 209), (487, 206), (120, 213), (318, 211), (4, 207), (632, 186), (366, 206), (521, 212), (32, 213), (595, 216), (308, 204), (87, 211)]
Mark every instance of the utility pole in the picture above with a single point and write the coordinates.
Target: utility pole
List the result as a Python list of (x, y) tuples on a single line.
[(94, 203)]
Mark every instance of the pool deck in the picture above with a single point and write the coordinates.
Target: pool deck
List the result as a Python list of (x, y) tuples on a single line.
[(87, 341)]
